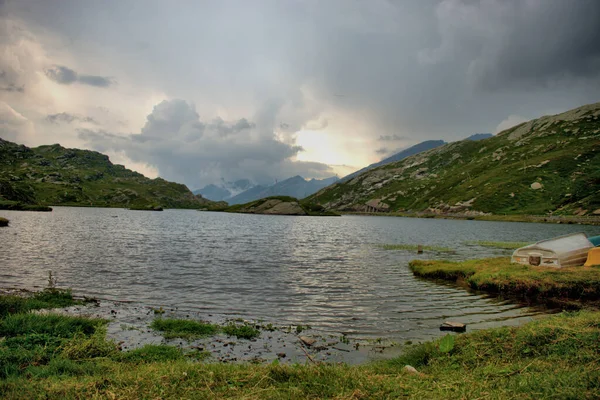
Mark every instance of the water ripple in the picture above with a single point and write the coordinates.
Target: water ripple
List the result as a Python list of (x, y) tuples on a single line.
[(326, 272)]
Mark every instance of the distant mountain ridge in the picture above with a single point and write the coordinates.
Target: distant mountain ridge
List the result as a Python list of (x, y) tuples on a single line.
[(479, 136), (417, 148), (226, 190), (295, 186), (547, 165)]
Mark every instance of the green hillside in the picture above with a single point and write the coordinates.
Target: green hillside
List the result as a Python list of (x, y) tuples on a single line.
[(547, 165), (54, 175)]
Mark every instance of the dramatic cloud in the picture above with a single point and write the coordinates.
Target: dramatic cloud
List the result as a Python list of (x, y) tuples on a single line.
[(515, 43), (509, 122), (286, 87), (14, 125), (185, 149), (66, 76)]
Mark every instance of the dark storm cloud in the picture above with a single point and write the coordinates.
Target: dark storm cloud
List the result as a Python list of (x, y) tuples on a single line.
[(552, 40), (422, 70), (514, 43), (93, 80), (185, 149), (69, 118), (225, 129), (66, 76)]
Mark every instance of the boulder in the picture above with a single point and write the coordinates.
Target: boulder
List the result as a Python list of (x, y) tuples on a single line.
[(536, 186)]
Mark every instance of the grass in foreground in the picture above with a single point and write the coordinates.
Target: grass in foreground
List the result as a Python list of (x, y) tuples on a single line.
[(557, 357), (49, 298), (567, 286), (499, 245), (415, 247)]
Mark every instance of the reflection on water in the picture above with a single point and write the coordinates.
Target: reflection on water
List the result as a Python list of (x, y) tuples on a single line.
[(326, 272)]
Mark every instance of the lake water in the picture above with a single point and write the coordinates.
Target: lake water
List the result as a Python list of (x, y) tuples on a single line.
[(327, 272)]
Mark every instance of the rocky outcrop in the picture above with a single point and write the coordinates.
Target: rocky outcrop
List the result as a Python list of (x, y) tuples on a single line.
[(272, 206), (279, 205)]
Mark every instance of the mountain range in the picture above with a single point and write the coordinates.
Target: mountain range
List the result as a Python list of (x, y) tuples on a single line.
[(243, 191), (295, 186)]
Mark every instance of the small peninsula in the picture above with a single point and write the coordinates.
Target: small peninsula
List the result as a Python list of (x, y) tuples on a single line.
[(280, 205)]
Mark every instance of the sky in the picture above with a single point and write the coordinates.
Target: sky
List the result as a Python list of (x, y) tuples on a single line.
[(203, 91)]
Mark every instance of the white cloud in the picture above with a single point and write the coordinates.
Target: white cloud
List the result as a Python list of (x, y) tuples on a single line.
[(183, 148), (509, 122)]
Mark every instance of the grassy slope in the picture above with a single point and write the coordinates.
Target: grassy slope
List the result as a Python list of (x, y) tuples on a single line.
[(58, 176), (569, 286), (564, 156)]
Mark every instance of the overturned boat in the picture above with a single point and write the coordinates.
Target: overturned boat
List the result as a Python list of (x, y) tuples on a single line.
[(562, 251)]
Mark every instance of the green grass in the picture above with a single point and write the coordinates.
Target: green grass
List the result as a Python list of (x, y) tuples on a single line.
[(415, 247), (183, 328), (556, 357), (55, 325), (567, 286), (33, 340), (244, 331), (150, 353), (49, 298), (499, 245)]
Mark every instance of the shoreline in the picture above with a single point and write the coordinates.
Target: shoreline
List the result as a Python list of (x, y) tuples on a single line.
[(55, 356), (129, 326), (553, 219), (591, 220)]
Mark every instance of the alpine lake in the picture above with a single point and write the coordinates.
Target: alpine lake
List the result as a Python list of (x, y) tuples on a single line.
[(330, 278)]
